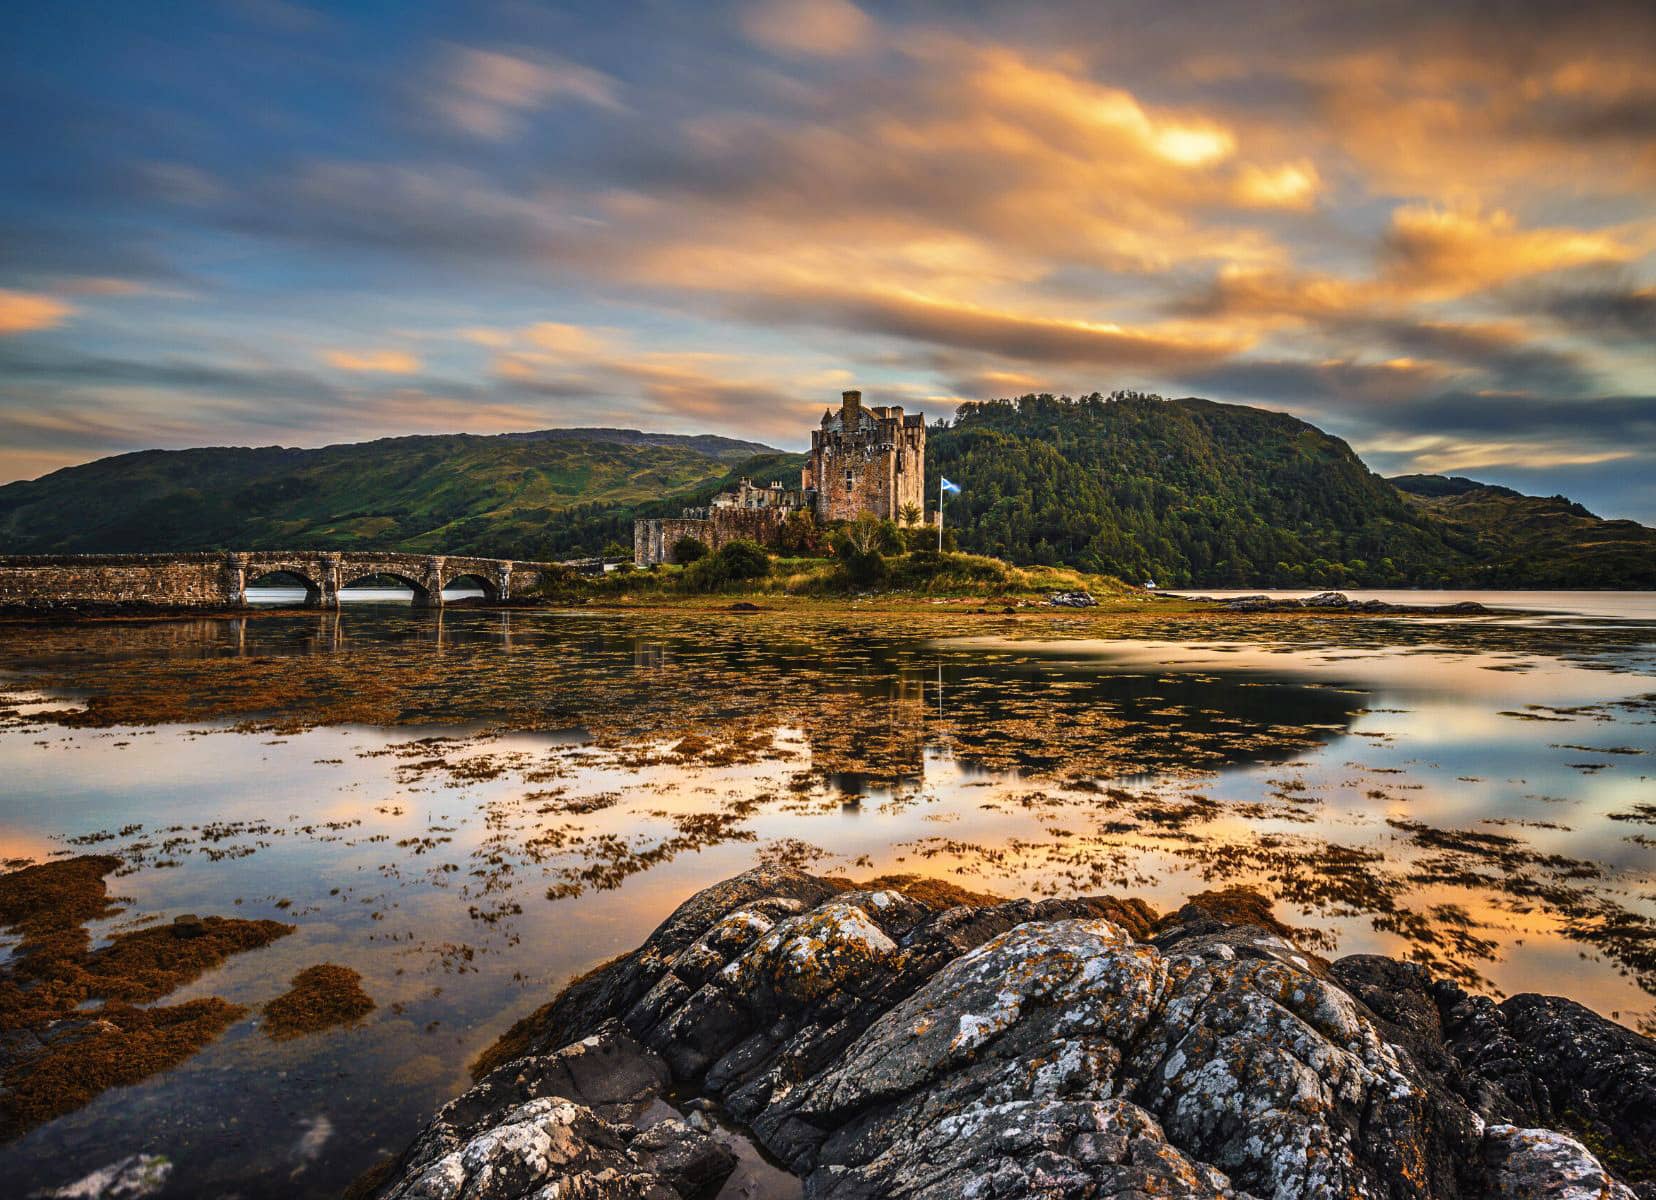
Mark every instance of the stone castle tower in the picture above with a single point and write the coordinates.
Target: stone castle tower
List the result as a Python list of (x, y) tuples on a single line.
[(866, 460)]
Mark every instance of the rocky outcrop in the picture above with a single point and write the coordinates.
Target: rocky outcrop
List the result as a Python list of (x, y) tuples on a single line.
[(880, 1045), (1329, 602)]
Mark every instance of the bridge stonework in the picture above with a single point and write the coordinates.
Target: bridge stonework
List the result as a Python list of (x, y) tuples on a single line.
[(220, 580)]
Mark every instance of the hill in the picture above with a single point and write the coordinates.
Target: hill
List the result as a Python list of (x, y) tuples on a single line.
[(446, 493), (1536, 541), (1185, 492)]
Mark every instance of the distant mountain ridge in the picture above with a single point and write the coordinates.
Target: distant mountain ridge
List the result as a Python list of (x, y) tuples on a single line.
[(444, 492), (1536, 541), (1185, 492)]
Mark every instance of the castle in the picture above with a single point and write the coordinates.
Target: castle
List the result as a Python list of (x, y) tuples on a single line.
[(863, 460)]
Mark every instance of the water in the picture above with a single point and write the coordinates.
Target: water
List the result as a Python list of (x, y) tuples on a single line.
[(470, 806), (293, 596)]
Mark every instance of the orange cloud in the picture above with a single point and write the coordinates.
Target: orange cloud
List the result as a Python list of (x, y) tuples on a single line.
[(814, 28), (1448, 252), (24, 312), (1291, 185), (382, 362)]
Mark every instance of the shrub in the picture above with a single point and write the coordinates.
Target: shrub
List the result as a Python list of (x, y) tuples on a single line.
[(744, 559), (688, 550), (734, 562)]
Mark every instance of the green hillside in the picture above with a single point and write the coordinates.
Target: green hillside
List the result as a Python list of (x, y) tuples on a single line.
[(1536, 541), (1185, 492), (445, 493), (1182, 492)]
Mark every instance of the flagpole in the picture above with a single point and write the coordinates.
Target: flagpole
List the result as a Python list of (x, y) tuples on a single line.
[(940, 514)]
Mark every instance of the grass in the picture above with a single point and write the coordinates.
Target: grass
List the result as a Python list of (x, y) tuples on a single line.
[(910, 579)]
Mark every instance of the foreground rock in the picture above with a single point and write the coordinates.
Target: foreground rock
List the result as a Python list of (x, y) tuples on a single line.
[(882, 1045)]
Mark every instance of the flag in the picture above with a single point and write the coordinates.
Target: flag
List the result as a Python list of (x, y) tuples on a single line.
[(950, 487)]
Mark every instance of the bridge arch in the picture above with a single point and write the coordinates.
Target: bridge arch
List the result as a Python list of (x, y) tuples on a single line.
[(351, 574), (283, 575), (483, 581)]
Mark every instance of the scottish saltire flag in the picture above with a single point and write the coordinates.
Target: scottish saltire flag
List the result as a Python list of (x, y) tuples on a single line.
[(949, 487)]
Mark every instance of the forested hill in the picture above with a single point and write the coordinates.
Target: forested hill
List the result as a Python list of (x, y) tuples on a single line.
[(451, 493), (1183, 492), (1536, 541)]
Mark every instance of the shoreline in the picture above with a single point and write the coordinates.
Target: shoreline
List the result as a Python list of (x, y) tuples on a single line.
[(773, 602)]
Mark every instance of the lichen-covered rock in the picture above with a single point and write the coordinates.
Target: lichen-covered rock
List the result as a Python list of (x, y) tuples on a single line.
[(882, 1046), (1539, 1164), (566, 1121)]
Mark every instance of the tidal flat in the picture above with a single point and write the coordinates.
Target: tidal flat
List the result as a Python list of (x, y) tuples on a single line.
[(458, 811)]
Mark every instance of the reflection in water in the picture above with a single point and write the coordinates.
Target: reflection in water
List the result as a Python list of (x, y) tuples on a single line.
[(467, 807)]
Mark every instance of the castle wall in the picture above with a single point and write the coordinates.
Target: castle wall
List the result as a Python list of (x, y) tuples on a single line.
[(653, 539)]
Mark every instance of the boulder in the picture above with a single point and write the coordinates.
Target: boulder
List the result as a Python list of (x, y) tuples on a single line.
[(883, 1045)]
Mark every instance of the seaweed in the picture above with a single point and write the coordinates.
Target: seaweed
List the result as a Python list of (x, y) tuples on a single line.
[(61, 1053), (320, 997)]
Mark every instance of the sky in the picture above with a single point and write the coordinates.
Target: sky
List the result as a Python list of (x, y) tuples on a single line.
[(1429, 228)]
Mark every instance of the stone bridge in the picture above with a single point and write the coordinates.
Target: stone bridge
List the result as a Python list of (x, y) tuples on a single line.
[(221, 580)]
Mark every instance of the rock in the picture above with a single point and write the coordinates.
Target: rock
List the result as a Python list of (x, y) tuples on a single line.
[(562, 1119), (1327, 600), (188, 925), (744, 606), (883, 1046), (130, 1178), (1544, 1060), (1072, 600), (1538, 1164)]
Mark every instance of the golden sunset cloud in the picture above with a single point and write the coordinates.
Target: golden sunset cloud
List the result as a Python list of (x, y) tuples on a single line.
[(23, 312), (382, 362)]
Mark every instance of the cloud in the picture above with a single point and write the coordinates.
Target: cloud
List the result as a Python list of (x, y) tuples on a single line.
[(1439, 251), (382, 362), (1290, 185), (807, 28), (1610, 313), (487, 94), (1036, 338), (24, 312), (1436, 455), (1392, 218)]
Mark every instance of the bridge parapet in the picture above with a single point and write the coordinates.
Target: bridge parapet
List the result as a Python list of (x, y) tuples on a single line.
[(212, 579)]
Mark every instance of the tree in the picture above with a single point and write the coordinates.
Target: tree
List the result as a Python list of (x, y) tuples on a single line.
[(910, 514), (799, 533), (743, 559), (688, 550), (860, 547)]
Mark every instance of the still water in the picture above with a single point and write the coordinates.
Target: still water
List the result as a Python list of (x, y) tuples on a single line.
[(469, 807)]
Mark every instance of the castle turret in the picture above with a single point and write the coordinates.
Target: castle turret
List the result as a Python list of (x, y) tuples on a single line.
[(867, 460)]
